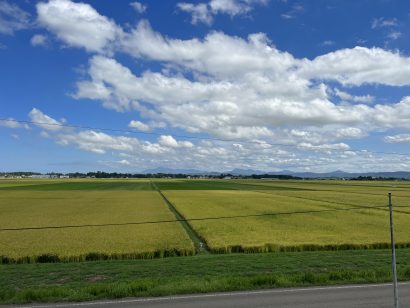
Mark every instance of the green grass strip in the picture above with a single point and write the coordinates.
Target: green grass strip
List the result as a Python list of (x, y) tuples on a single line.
[(197, 274)]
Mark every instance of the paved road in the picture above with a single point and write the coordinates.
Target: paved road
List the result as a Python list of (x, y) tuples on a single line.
[(372, 296)]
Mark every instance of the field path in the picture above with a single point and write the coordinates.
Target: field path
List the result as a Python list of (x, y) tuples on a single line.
[(200, 245)]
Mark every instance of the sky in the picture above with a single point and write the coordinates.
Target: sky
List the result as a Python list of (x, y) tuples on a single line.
[(210, 85)]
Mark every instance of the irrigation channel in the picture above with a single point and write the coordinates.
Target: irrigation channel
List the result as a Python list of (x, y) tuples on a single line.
[(199, 243)]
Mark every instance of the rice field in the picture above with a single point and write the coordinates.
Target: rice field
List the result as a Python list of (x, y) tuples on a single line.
[(101, 218), (109, 204), (320, 229)]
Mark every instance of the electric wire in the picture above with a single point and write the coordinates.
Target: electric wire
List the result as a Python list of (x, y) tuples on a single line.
[(194, 219), (299, 147)]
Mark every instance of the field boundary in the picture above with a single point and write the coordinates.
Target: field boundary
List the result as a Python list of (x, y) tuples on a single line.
[(199, 243), (95, 256)]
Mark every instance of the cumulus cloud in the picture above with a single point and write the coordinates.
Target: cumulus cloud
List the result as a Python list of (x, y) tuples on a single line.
[(78, 24), (328, 43), (400, 138), (205, 12), (234, 88), (394, 35), (13, 18), (222, 108), (360, 65), (39, 40), (139, 126), (295, 10), (353, 98), (382, 22), (169, 141), (11, 123), (138, 7), (219, 155), (124, 162), (44, 121)]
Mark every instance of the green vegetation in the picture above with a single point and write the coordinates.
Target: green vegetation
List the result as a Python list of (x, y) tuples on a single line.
[(196, 274)]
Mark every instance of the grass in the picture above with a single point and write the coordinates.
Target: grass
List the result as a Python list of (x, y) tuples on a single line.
[(29, 208), (203, 273)]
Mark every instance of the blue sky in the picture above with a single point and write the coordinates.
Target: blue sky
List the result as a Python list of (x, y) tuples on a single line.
[(299, 85)]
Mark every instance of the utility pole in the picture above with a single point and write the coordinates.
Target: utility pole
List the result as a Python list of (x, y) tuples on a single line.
[(393, 251)]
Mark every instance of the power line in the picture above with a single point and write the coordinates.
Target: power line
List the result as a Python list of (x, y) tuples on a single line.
[(299, 147), (193, 219)]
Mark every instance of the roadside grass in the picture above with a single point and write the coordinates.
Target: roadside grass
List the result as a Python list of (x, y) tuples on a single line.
[(198, 274)]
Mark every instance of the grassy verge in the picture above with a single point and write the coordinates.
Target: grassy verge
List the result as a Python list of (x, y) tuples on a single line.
[(202, 273)]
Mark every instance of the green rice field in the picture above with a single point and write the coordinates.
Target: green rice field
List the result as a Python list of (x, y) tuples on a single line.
[(91, 219)]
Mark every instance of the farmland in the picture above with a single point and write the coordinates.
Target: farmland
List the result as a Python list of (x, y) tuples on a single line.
[(113, 222), (89, 219), (320, 228), (111, 205)]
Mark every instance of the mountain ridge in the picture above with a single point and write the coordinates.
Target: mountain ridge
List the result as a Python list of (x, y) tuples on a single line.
[(249, 172)]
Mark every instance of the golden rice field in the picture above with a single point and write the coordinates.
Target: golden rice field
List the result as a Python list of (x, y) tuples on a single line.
[(364, 228), (30, 207), (113, 204)]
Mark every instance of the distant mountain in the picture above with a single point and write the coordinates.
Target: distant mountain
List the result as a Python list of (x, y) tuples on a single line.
[(248, 172), (178, 171), (347, 175), (238, 171)]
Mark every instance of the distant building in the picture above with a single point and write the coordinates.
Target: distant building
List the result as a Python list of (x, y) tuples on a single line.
[(40, 176)]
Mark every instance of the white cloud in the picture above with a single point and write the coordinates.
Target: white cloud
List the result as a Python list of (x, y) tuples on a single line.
[(11, 123), (221, 108), (199, 12), (295, 10), (239, 88), (401, 138), (139, 7), (328, 43), (201, 155), (394, 35), (350, 133), (205, 12), (139, 126), (359, 66), (124, 162), (82, 26), (12, 18), (383, 22), (44, 121), (325, 147), (78, 24), (39, 40), (358, 99), (170, 142)]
